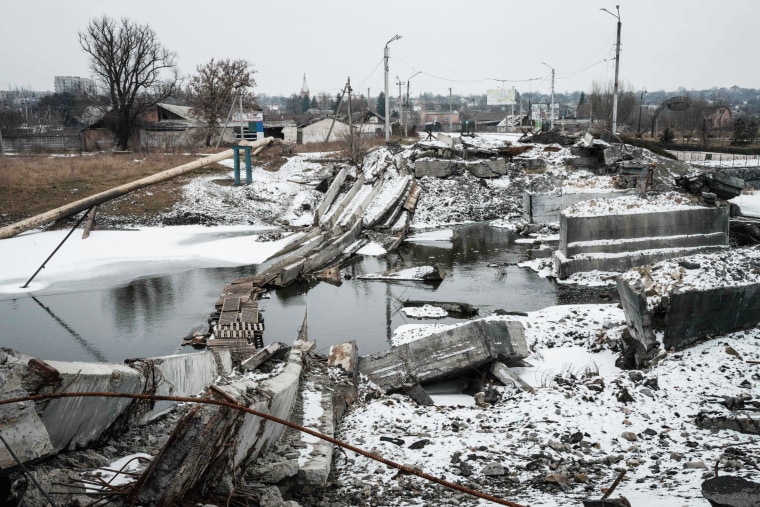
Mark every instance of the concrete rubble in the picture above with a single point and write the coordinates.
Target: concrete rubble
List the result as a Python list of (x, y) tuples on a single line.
[(218, 452)]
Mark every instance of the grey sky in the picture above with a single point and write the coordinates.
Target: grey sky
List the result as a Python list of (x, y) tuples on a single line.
[(465, 45)]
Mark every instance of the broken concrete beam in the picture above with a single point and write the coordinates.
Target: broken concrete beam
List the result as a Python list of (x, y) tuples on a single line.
[(74, 422), (315, 460), (418, 394), (446, 354), (260, 357), (345, 356), (330, 195), (448, 140), (181, 375), (211, 446), (506, 376)]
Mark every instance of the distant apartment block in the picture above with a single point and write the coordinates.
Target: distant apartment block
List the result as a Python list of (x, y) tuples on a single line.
[(75, 84)]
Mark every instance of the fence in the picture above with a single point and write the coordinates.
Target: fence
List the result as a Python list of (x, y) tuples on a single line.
[(718, 160), (29, 143)]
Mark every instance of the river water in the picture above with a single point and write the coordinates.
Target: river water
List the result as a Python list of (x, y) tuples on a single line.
[(148, 317)]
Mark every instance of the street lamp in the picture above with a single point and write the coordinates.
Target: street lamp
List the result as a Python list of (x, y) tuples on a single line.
[(617, 68), (641, 103), (387, 102), (551, 107), (408, 105)]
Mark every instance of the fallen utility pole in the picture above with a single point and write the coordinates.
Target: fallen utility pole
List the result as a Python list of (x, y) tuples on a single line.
[(107, 195)]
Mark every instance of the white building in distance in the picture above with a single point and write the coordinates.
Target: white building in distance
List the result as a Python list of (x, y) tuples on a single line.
[(76, 85)]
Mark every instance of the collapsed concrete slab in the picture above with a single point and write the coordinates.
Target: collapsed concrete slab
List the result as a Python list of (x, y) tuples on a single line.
[(75, 422), (212, 445), (617, 234), (180, 375), (34, 431), (687, 299), (447, 353)]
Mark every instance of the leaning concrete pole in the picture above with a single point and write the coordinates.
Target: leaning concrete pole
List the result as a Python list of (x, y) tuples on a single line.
[(88, 202)]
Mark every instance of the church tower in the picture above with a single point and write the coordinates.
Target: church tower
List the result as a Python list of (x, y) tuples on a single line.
[(304, 87)]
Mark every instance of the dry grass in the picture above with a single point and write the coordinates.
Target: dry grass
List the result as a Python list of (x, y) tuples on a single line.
[(34, 184)]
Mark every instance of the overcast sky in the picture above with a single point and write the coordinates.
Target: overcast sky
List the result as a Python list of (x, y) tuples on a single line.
[(466, 45)]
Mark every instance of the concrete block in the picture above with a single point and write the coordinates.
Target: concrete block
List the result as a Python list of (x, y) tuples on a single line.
[(23, 430), (446, 354), (678, 222), (686, 316), (487, 168), (181, 375), (346, 356), (546, 208), (263, 355), (433, 167), (621, 241), (73, 422)]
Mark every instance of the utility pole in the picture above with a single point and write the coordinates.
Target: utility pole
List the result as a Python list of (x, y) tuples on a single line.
[(617, 68), (401, 107), (408, 105), (350, 124), (387, 105), (641, 103), (551, 107), (450, 109)]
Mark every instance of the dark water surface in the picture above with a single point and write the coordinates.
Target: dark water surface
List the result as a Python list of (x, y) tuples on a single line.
[(149, 316)]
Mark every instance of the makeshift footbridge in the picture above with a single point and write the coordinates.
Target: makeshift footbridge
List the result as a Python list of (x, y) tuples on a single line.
[(236, 322)]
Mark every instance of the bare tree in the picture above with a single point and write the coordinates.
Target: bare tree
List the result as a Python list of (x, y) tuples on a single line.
[(213, 88), (134, 67), (601, 104)]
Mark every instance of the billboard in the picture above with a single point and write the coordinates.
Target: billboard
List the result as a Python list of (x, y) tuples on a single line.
[(248, 116), (500, 97)]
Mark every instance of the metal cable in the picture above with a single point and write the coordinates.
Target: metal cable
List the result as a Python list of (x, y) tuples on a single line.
[(269, 417)]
